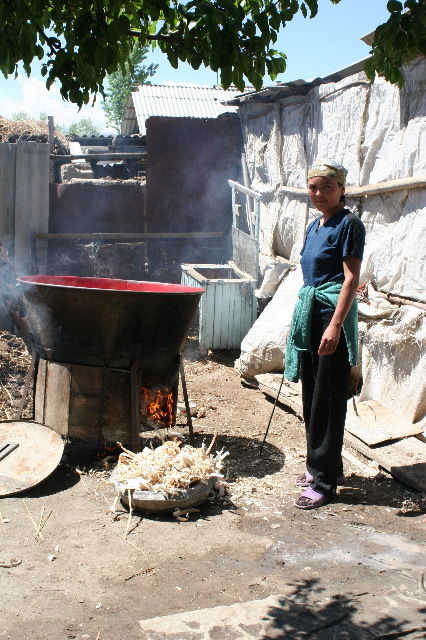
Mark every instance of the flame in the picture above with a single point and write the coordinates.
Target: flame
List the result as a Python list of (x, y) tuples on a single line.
[(157, 405)]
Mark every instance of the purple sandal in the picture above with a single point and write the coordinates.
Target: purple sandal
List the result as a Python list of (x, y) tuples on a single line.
[(311, 499), (305, 479)]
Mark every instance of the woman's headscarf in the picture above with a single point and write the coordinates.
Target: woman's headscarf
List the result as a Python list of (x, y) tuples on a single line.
[(329, 169)]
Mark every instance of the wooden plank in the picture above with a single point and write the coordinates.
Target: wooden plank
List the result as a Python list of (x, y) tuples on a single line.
[(249, 304), (418, 182), (238, 316), (207, 317), (57, 397), (217, 315), (40, 391), (85, 402), (85, 417), (290, 394), (375, 423), (245, 252), (404, 459), (86, 380), (117, 408), (234, 315), (228, 295)]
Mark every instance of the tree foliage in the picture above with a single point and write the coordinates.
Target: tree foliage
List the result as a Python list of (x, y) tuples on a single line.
[(119, 85), (83, 127), (398, 40), (86, 40), (21, 116)]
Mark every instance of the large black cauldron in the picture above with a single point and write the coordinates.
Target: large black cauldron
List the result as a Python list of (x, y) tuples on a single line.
[(108, 322)]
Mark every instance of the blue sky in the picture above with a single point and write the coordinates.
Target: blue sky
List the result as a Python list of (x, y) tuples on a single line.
[(313, 47)]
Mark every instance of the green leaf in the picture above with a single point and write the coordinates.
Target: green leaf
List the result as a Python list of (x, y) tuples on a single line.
[(394, 5)]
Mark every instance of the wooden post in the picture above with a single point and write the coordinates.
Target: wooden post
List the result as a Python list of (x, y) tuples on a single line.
[(51, 132), (186, 401), (246, 181)]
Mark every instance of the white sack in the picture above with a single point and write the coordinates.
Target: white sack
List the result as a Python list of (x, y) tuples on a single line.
[(394, 363), (262, 349), (273, 272)]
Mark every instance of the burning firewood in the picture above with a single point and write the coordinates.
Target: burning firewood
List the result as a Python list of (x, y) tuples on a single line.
[(168, 469)]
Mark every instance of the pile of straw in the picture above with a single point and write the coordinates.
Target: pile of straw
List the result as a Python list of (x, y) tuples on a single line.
[(32, 130)]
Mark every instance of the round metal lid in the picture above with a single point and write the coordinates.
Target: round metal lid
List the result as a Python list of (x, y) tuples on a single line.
[(37, 454)]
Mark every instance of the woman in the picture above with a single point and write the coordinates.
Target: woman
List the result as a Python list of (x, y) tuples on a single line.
[(323, 339)]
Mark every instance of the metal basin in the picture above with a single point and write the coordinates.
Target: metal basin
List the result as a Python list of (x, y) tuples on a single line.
[(109, 322)]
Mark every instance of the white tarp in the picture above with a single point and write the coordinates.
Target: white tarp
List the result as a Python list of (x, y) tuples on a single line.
[(379, 133), (394, 257), (394, 363)]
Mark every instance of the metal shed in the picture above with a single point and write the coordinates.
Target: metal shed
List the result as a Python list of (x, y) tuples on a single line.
[(174, 101)]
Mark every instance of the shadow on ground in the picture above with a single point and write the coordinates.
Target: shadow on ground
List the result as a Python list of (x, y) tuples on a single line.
[(61, 479), (309, 613), (244, 455)]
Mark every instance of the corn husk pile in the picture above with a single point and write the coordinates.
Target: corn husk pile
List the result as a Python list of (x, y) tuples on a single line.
[(168, 469)]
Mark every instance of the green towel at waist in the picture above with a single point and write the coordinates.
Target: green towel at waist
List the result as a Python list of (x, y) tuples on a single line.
[(299, 337)]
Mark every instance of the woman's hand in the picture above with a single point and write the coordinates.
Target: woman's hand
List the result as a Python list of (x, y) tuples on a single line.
[(330, 340)]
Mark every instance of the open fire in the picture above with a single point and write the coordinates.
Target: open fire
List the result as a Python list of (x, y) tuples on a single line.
[(157, 406)]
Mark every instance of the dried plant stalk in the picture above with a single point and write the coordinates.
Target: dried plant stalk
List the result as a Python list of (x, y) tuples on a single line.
[(167, 469)]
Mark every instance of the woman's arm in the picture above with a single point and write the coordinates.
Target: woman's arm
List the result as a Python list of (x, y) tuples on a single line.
[(331, 336)]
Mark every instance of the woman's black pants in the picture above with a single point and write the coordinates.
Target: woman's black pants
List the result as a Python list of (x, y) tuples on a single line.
[(325, 381)]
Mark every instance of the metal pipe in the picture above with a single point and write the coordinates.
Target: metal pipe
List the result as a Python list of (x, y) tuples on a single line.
[(243, 189)]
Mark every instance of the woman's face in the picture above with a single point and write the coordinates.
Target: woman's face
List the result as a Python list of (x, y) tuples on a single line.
[(325, 194)]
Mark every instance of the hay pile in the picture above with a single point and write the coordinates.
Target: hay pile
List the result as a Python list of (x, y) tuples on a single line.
[(14, 364), (31, 130)]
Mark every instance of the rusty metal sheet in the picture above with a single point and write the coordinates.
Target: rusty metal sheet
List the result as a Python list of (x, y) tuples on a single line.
[(38, 453), (189, 163)]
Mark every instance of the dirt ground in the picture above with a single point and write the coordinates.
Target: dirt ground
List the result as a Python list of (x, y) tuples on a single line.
[(353, 569)]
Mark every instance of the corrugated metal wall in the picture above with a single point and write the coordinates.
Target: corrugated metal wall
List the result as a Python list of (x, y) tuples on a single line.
[(24, 203)]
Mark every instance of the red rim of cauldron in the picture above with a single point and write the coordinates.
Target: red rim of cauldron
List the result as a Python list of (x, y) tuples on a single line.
[(109, 284)]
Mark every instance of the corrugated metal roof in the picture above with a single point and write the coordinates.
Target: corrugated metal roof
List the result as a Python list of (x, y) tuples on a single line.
[(295, 87), (178, 101)]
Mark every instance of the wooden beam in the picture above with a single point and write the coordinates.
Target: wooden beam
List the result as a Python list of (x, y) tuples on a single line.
[(129, 236), (369, 189)]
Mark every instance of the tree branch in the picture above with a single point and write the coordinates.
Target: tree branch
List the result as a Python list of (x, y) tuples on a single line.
[(49, 41), (158, 36)]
